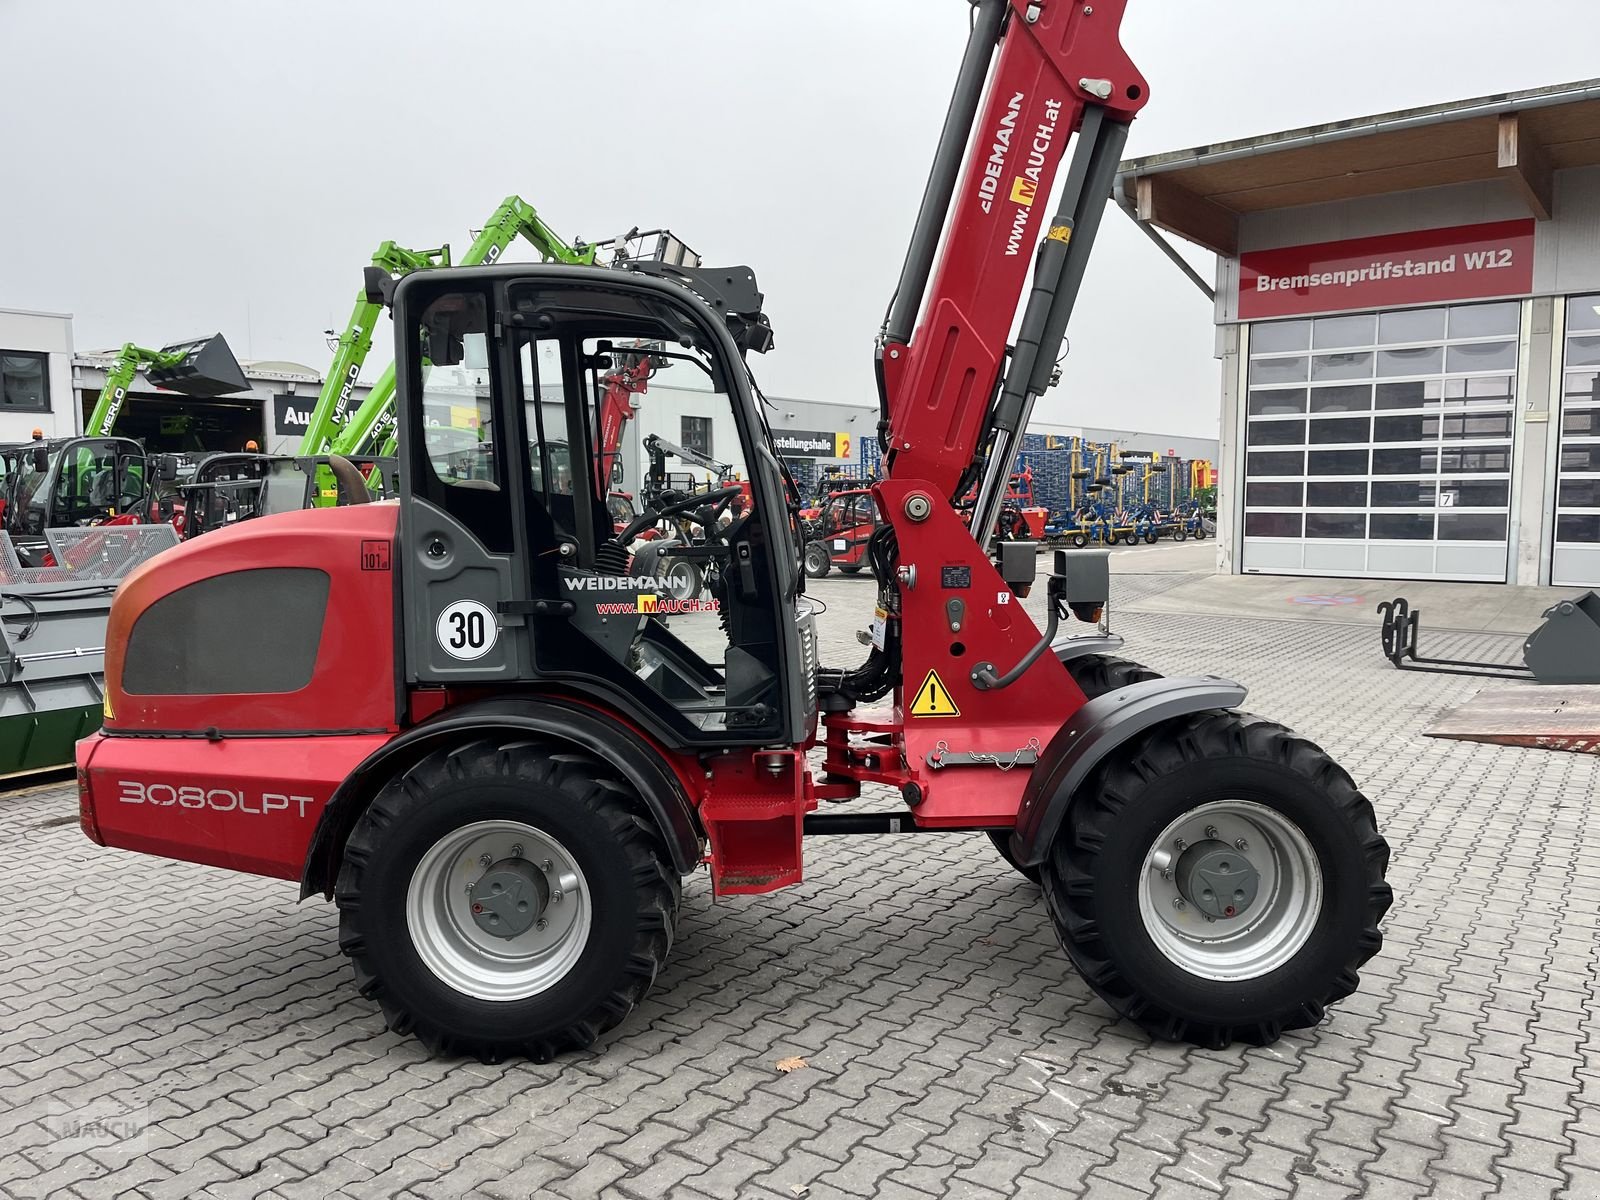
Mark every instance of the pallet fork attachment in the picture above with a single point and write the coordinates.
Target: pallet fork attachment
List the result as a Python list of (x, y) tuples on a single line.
[(1565, 649)]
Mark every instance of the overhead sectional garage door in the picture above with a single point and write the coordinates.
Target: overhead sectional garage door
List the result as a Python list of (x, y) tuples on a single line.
[(1380, 444), (1577, 550)]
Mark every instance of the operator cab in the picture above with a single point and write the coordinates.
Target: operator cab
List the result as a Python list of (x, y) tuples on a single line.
[(684, 616), (70, 482)]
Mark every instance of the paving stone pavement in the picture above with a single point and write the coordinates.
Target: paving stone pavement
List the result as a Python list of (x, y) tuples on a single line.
[(950, 1048)]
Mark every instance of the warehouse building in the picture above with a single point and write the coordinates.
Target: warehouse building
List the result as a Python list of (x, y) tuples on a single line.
[(35, 375), (165, 420), (1408, 314)]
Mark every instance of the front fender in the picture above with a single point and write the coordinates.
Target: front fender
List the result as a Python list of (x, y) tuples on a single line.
[(1068, 648), (639, 762), (1094, 731)]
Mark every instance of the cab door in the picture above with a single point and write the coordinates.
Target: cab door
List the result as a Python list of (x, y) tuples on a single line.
[(461, 516)]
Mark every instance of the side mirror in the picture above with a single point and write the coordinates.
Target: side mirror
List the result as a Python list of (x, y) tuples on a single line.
[(41, 459), (167, 468)]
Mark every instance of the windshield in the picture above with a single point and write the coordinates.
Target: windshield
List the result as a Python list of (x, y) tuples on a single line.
[(283, 488)]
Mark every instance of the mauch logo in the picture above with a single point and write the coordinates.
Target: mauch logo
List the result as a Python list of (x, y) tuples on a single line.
[(648, 604), (1025, 187)]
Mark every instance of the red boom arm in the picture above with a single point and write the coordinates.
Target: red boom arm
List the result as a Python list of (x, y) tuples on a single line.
[(939, 387)]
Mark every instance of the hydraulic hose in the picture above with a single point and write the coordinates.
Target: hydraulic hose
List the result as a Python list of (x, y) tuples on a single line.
[(983, 675)]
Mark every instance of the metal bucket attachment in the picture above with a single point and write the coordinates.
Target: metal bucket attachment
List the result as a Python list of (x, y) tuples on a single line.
[(52, 638), (1566, 648), (207, 368)]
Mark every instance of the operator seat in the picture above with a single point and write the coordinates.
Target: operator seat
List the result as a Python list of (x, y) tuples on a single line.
[(102, 488)]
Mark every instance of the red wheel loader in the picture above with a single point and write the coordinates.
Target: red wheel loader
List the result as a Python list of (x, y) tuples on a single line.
[(498, 749)]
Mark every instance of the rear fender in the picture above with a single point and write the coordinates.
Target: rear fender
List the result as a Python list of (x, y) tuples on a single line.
[(1094, 731), (640, 763)]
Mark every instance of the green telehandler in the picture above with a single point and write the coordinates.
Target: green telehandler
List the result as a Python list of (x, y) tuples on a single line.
[(332, 428)]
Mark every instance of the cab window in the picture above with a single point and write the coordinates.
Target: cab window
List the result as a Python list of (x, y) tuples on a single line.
[(461, 442)]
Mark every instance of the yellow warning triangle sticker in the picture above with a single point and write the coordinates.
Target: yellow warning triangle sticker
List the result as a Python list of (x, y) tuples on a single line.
[(933, 699)]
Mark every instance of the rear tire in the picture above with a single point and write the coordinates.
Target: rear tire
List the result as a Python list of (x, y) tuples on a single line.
[(1180, 535), (818, 560), (1080, 540), (1309, 911), (1095, 675), (568, 837)]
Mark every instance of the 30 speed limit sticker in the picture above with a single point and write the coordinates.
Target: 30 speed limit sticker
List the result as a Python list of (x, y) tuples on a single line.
[(466, 630)]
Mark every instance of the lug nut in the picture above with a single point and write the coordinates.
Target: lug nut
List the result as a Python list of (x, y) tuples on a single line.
[(1241, 845), (1179, 843), (547, 866), (484, 860), (541, 924), (1177, 903), (1211, 832), (516, 851), (556, 896)]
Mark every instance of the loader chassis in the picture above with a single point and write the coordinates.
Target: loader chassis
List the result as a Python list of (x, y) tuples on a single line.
[(504, 828)]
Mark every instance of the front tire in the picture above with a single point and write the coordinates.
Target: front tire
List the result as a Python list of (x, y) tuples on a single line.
[(570, 918), (1237, 814), (818, 559)]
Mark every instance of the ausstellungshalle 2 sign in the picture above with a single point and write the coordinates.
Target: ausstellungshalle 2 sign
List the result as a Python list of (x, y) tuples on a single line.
[(1427, 266), (811, 443)]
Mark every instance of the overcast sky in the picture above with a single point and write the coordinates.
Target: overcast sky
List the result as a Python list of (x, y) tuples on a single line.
[(173, 167)]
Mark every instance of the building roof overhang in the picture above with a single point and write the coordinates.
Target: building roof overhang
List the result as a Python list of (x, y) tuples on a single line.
[(1520, 138)]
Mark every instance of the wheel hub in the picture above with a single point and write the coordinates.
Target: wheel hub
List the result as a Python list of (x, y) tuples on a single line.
[(1217, 878), (502, 942), (1230, 890), (509, 898)]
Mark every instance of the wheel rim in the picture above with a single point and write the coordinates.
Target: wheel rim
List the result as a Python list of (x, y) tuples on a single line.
[(1271, 926), (682, 580), (816, 557), (452, 941)]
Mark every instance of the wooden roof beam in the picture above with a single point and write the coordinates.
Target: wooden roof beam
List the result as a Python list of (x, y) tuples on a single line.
[(1524, 162), (1160, 201)]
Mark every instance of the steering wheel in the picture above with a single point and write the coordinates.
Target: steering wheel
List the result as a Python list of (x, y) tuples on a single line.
[(717, 500)]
